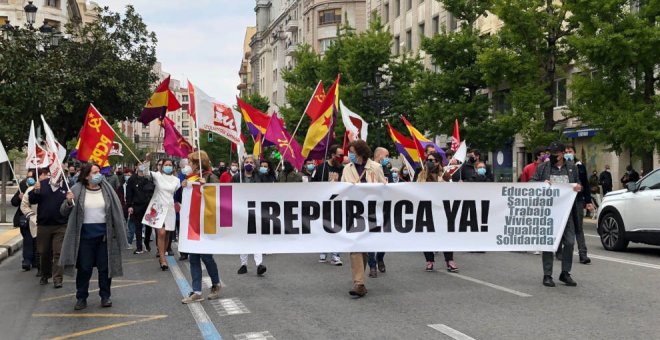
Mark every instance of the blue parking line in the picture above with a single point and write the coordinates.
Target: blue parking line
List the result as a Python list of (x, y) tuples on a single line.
[(206, 326)]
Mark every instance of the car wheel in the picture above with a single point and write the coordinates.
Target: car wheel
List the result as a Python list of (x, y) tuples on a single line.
[(613, 232)]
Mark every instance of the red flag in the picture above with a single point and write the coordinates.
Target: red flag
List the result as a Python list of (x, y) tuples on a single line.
[(314, 108), (345, 148), (173, 142), (288, 147), (456, 140), (96, 138)]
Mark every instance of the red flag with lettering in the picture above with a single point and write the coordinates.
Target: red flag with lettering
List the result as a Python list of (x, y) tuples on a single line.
[(96, 138)]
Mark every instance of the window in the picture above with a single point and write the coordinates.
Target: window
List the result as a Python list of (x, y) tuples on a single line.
[(145, 134), (421, 28), (309, 23), (651, 182), (560, 92), (397, 45), (185, 133), (324, 44), (52, 3), (184, 124), (409, 5), (436, 25), (408, 40), (3, 20), (501, 101), (184, 98), (386, 13), (330, 16), (397, 8), (275, 76), (452, 23), (184, 106)]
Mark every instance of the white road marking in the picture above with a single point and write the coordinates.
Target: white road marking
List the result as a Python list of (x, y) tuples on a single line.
[(614, 259), (450, 332), (232, 306), (488, 284), (592, 235), (254, 336)]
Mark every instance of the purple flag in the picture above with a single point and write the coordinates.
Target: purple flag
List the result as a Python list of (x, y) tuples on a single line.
[(289, 148), (173, 143)]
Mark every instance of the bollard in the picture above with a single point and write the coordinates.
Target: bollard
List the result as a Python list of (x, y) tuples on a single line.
[(3, 210)]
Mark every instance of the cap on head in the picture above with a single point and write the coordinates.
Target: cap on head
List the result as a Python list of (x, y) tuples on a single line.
[(556, 146)]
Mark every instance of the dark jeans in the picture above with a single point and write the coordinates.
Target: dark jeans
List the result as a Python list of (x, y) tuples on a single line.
[(92, 253), (196, 270), (131, 231), (49, 240), (578, 222), (138, 235), (373, 258), (430, 256), (29, 248), (567, 244)]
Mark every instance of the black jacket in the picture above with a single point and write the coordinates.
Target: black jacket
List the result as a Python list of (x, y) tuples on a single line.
[(605, 180), (16, 202), (138, 194), (583, 175), (48, 211)]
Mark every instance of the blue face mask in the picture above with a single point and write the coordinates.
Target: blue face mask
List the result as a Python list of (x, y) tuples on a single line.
[(141, 168), (31, 181), (481, 171), (352, 157), (263, 170), (97, 179), (310, 167), (168, 169), (569, 156), (385, 161), (127, 177)]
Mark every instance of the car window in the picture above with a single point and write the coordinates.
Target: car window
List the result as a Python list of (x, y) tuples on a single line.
[(651, 181)]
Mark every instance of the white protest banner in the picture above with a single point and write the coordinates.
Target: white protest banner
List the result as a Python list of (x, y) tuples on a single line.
[(344, 217)]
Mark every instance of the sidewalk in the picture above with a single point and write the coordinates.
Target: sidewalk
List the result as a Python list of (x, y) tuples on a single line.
[(10, 240)]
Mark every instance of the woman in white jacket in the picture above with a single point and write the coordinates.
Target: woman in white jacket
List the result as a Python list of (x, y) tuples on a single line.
[(160, 213)]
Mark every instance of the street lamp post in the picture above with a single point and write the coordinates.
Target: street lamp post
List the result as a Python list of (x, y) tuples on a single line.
[(30, 14), (378, 94), (7, 30)]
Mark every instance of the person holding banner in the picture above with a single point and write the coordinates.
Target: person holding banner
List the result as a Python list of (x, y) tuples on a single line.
[(161, 214), (23, 222), (433, 172), (95, 234), (249, 176), (206, 176), (51, 225), (361, 169), (557, 170), (289, 174)]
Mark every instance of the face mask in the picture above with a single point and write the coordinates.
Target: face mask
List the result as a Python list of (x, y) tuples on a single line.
[(385, 161), (405, 172), (187, 170), (31, 181), (222, 169), (395, 174), (569, 156), (310, 167), (168, 169), (544, 158), (127, 177), (339, 159), (248, 167), (233, 168), (481, 171), (96, 179), (472, 159), (352, 157), (141, 168), (263, 170), (553, 159), (430, 165)]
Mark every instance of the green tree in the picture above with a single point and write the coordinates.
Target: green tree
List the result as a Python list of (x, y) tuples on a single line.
[(108, 62), (458, 89), (526, 60), (618, 92)]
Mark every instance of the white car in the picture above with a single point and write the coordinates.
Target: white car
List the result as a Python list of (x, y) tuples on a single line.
[(632, 214)]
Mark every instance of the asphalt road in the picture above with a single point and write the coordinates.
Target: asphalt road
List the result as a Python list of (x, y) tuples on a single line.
[(495, 296)]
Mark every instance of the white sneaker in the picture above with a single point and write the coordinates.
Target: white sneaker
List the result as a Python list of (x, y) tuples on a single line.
[(322, 258), (336, 261), (192, 298)]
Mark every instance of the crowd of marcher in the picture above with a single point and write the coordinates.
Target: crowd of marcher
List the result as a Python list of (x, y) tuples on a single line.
[(106, 211)]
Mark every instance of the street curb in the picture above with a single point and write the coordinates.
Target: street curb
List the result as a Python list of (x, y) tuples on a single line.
[(10, 248)]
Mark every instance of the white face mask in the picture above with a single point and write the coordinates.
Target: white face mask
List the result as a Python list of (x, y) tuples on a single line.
[(233, 168), (187, 170)]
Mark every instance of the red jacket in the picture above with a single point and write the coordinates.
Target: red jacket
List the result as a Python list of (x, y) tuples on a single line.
[(528, 172)]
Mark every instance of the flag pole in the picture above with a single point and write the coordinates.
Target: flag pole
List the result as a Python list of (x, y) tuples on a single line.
[(199, 143), (14, 174), (293, 135), (116, 134), (57, 158)]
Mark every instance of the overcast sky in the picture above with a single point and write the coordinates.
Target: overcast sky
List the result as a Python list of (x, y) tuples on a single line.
[(199, 40)]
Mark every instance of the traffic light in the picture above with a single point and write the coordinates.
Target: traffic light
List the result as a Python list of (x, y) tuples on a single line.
[(210, 137)]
